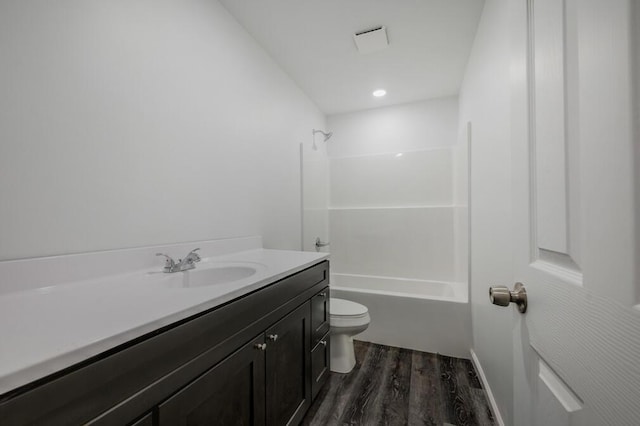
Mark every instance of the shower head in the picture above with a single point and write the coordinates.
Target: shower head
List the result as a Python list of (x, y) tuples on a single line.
[(327, 136)]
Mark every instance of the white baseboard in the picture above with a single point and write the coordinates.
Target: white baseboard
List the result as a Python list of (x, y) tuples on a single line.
[(485, 385)]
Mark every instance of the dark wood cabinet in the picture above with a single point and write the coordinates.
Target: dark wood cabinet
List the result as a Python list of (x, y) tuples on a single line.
[(231, 393), (203, 370), (288, 368), (267, 381), (319, 315), (320, 365), (146, 420)]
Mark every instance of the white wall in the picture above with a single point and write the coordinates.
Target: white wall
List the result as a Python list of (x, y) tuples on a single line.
[(400, 128), (392, 209), (136, 123), (415, 243), (485, 102), (415, 178)]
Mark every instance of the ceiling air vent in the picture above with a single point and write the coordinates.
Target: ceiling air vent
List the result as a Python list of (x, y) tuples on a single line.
[(371, 40)]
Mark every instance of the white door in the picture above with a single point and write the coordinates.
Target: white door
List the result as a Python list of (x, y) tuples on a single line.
[(577, 348)]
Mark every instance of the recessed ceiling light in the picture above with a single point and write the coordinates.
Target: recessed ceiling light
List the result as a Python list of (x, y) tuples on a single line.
[(380, 92)]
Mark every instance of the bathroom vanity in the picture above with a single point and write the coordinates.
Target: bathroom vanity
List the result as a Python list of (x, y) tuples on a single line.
[(257, 357)]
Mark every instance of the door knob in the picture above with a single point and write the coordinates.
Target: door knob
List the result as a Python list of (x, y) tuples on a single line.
[(501, 296), (273, 337), (261, 346)]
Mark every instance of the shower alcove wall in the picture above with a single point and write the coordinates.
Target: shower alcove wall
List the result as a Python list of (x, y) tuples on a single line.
[(397, 222)]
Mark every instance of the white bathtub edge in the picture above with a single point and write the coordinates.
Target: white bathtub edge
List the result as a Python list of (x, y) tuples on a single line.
[(397, 294), (492, 401), (382, 277), (459, 290)]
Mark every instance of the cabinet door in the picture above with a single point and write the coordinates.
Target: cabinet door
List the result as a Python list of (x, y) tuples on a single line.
[(231, 393), (320, 365), (319, 315), (144, 421), (289, 368)]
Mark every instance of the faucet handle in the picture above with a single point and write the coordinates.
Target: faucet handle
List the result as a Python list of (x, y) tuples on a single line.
[(195, 257), (170, 264)]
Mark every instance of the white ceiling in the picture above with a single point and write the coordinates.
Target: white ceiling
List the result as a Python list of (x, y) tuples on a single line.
[(312, 40)]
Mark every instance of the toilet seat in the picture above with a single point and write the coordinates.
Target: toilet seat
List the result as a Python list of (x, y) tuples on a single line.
[(345, 313), (346, 308)]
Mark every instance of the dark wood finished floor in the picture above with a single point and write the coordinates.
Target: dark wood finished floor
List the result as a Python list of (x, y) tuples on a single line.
[(395, 386)]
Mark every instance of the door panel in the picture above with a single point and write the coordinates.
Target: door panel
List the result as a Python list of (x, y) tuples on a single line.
[(553, 140), (562, 405), (231, 393), (576, 347), (288, 368), (549, 126)]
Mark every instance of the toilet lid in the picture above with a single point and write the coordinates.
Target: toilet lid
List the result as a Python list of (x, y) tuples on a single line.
[(346, 308)]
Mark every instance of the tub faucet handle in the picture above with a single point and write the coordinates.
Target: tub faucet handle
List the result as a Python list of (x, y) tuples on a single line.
[(320, 243)]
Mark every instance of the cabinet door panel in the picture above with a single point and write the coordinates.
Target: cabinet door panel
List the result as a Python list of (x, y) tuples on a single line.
[(319, 315), (231, 393), (144, 421), (320, 358), (288, 368)]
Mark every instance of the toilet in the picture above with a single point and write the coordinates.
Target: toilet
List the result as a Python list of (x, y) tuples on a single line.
[(347, 319)]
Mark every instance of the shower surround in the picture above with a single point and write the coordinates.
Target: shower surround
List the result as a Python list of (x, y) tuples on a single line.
[(398, 223)]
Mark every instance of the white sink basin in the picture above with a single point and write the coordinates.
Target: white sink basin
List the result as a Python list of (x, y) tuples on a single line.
[(213, 276), (210, 275)]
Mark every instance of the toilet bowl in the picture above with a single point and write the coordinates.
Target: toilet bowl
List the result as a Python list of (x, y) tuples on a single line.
[(347, 319)]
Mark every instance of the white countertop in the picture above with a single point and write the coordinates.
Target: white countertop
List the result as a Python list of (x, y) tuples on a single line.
[(46, 329)]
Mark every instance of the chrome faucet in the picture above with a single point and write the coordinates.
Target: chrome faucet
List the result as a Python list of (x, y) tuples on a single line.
[(189, 262)]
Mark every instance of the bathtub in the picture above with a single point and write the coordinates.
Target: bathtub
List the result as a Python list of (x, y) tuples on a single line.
[(430, 316)]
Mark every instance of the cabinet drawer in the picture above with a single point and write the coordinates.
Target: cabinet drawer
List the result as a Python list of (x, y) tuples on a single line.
[(319, 315), (320, 364)]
